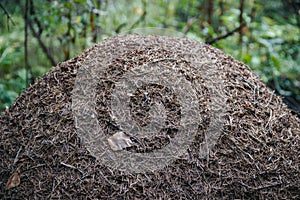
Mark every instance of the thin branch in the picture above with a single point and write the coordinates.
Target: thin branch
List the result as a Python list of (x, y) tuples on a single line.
[(37, 35), (241, 20), (66, 37), (189, 24), (43, 46), (226, 35), (37, 22), (142, 18), (118, 29), (7, 14), (27, 67), (210, 11), (96, 30)]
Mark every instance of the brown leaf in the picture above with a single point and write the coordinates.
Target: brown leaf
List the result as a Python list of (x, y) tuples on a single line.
[(119, 141), (14, 180)]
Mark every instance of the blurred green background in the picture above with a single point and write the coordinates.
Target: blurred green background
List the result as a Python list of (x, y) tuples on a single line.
[(37, 34)]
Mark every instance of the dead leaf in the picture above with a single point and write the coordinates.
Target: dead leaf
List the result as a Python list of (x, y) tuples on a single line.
[(14, 180), (119, 141)]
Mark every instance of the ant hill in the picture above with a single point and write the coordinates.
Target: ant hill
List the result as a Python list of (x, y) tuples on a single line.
[(149, 117)]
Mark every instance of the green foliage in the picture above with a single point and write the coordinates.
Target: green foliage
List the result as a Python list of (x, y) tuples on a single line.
[(11, 87), (269, 43)]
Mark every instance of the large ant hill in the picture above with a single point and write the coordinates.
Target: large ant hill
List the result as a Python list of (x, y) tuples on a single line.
[(245, 145)]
